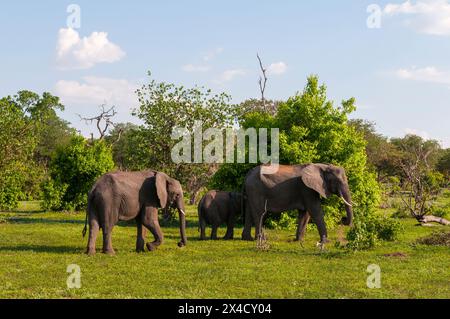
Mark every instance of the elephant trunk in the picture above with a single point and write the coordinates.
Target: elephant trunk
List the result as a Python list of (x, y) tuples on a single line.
[(345, 194), (182, 215)]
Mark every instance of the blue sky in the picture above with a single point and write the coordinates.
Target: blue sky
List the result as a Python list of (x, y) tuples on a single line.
[(398, 73)]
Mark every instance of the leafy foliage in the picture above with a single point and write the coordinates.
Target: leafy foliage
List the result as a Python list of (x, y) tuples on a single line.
[(29, 132), (164, 106), (370, 229), (74, 170)]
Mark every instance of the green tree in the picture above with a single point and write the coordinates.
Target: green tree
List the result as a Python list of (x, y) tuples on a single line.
[(74, 168), (443, 163), (382, 156), (164, 106), (24, 120)]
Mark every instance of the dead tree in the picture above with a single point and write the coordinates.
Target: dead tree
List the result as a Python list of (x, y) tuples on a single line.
[(103, 122), (262, 82), (418, 194)]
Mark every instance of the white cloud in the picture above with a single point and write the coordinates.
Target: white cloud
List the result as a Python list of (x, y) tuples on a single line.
[(277, 68), (229, 75), (425, 16), (212, 54), (427, 74), (74, 52), (94, 91), (195, 68)]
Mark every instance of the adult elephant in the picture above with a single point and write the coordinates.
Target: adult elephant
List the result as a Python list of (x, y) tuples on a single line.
[(124, 196), (293, 187)]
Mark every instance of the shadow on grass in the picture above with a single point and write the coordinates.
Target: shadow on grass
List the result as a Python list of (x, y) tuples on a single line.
[(21, 220), (42, 249)]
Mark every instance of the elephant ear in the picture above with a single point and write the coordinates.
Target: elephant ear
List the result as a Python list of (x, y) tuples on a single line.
[(161, 189), (312, 176)]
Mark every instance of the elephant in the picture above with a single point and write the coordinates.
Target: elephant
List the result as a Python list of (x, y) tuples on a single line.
[(124, 196), (294, 187), (216, 208)]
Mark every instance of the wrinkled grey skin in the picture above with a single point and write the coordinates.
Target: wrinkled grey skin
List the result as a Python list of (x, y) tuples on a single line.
[(294, 187), (216, 208), (123, 196)]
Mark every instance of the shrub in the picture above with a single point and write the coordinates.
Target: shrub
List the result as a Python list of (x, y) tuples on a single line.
[(74, 169), (436, 239), (11, 182), (370, 230)]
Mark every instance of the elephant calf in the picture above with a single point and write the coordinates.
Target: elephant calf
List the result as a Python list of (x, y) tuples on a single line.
[(216, 208)]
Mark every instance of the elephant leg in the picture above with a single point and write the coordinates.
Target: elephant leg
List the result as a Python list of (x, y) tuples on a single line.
[(247, 232), (93, 232), (214, 232), (107, 242), (202, 225), (230, 230), (141, 234), (303, 220), (150, 220), (317, 214)]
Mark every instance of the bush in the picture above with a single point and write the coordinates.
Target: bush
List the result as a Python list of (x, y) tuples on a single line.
[(286, 220), (436, 239), (74, 169), (11, 182), (370, 230)]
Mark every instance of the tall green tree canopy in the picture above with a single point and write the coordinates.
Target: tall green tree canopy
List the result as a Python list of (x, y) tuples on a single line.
[(165, 106), (28, 134)]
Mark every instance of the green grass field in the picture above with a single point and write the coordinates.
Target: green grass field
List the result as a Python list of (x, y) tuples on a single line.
[(36, 248)]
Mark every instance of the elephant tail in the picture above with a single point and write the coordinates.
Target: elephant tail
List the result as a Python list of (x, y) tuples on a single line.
[(90, 198), (85, 224), (243, 197)]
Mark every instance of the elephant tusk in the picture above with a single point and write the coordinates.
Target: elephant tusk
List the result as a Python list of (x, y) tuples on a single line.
[(347, 203), (182, 212)]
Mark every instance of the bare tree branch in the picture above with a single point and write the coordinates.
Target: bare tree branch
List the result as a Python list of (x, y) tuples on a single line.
[(103, 121), (262, 82)]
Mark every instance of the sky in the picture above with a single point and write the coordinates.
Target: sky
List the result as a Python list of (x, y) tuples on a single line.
[(392, 56)]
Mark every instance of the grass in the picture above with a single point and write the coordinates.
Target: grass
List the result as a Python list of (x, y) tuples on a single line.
[(36, 247)]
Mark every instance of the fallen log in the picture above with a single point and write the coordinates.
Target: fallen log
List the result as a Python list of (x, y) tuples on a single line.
[(433, 219)]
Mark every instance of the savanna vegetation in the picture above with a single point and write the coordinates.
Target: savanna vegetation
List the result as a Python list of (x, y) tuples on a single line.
[(398, 186)]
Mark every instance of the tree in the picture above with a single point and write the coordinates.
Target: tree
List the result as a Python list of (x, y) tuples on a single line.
[(73, 171), (125, 141), (420, 183), (443, 163), (382, 156), (165, 106), (25, 140)]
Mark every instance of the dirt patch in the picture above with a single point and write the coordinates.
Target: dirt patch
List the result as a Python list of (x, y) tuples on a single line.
[(397, 255), (436, 239)]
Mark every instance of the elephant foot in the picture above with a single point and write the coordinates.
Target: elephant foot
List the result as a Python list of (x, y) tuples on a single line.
[(203, 238), (140, 246), (140, 249), (90, 252), (181, 244), (109, 252), (152, 246), (322, 243), (247, 238), (228, 238)]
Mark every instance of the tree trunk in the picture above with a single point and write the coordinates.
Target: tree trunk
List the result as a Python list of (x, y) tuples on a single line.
[(434, 219)]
